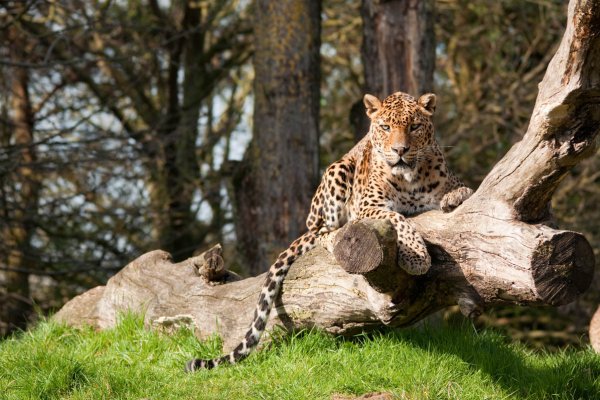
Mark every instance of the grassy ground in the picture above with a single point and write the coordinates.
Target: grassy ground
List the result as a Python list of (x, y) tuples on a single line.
[(55, 362)]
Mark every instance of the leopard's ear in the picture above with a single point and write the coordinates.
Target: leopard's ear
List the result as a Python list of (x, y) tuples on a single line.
[(372, 104), (427, 101)]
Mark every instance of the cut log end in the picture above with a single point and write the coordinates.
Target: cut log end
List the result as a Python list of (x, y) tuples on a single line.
[(563, 267), (368, 248), (359, 248)]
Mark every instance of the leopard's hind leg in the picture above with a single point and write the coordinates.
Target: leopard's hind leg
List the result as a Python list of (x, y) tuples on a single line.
[(328, 207)]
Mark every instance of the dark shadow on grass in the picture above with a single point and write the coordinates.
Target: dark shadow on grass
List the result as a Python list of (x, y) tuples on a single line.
[(571, 377)]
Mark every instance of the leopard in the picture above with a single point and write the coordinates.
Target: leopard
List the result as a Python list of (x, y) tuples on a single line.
[(396, 170)]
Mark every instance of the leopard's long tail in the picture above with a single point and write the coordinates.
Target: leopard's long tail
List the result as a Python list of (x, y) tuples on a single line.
[(270, 290)]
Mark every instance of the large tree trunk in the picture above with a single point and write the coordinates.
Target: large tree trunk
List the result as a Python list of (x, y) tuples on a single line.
[(398, 46), (280, 171), (398, 51), (22, 199), (175, 169), (494, 249)]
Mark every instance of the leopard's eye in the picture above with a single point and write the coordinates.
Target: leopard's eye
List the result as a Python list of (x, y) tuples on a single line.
[(385, 127), (414, 127)]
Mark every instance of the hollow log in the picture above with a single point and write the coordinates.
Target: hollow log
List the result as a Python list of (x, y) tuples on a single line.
[(499, 247)]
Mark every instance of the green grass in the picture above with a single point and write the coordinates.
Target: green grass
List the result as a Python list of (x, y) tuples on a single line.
[(128, 362)]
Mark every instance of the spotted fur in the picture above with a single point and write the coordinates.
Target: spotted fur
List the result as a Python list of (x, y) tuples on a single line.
[(397, 169)]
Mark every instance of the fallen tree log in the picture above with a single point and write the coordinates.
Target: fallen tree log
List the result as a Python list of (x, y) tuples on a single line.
[(366, 291), (499, 247), (594, 331)]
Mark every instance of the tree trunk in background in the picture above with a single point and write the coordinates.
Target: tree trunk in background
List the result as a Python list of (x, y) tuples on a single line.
[(16, 307), (275, 182), (398, 51), (175, 177)]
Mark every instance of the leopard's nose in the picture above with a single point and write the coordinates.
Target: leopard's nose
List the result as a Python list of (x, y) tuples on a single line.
[(400, 149)]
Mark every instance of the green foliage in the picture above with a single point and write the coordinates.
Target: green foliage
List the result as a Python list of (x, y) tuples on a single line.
[(491, 56), (129, 362)]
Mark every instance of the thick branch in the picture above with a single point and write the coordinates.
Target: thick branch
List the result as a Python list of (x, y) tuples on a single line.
[(563, 126)]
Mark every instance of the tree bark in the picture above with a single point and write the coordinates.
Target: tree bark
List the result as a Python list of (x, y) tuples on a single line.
[(398, 51), (275, 182), (175, 170), (493, 249), (19, 225)]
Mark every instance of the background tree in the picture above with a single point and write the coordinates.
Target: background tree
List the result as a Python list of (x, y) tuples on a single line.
[(398, 51), (136, 106), (280, 170), (375, 47), (20, 189), (180, 55)]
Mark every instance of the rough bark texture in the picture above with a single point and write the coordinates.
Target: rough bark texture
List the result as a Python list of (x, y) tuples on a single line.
[(494, 249), (398, 51), (398, 46), (15, 306), (563, 126), (173, 163), (280, 170)]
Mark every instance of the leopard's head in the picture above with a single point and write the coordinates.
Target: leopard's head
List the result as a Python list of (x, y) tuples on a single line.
[(401, 128)]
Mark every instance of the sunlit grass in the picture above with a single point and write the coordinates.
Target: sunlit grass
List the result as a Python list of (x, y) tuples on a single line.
[(129, 362)]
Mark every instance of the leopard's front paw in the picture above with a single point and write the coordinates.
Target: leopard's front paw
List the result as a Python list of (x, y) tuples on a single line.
[(413, 255), (455, 198), (417, 265)]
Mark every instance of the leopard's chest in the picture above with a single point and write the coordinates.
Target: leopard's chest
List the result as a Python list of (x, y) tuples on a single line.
[(396, 194), (412, 200)]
